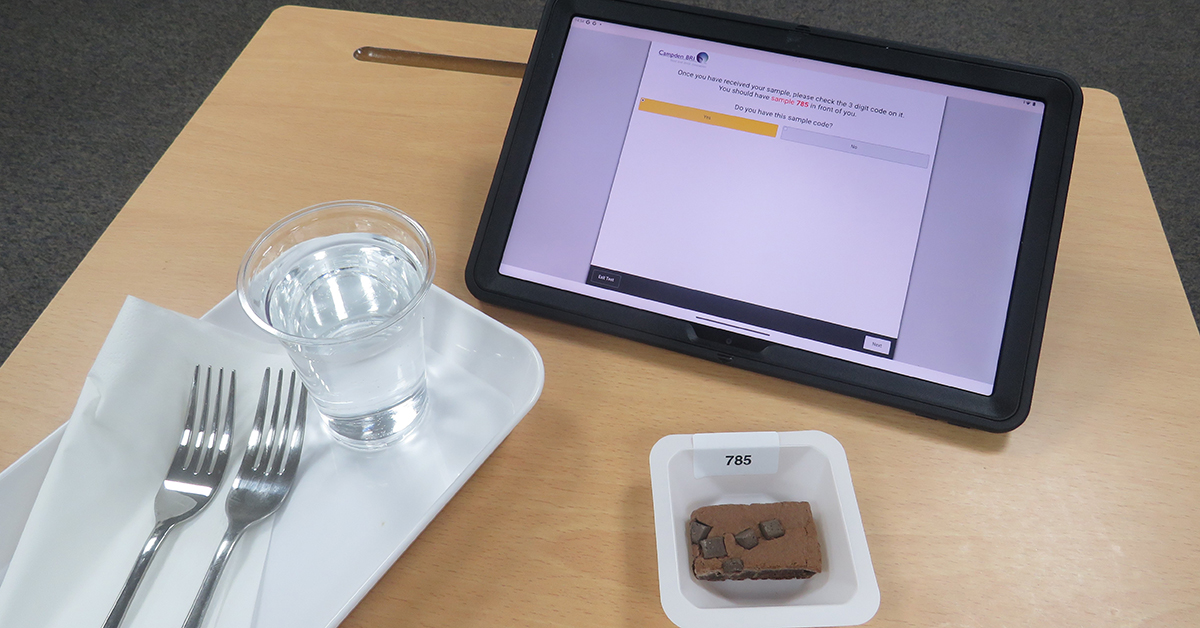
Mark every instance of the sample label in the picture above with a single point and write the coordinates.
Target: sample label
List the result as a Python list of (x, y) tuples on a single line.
[(735, 453)]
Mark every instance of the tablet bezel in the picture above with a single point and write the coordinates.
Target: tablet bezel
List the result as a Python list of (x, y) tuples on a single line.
[(1003, 410)]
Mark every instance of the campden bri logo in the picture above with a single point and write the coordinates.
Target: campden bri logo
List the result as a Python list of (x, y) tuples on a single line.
[(700, 57)]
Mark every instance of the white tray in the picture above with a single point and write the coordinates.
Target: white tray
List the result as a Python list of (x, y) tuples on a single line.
[(353, 513)]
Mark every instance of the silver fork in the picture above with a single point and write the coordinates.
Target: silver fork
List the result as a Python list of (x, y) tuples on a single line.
[(262, 482), (193, 477)]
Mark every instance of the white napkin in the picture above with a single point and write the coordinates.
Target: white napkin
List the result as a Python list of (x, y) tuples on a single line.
[(96, 506)]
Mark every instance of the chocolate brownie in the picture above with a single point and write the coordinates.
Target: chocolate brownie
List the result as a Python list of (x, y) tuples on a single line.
[(754, 542)]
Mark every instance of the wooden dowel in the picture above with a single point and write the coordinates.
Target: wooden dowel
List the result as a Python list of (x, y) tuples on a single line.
[(440, 62)]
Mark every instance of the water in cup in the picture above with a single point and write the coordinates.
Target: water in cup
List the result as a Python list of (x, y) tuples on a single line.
[(336, 285), (342, 286)]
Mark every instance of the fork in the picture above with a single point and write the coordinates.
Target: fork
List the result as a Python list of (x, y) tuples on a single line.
[(193, 477), (263, 481)]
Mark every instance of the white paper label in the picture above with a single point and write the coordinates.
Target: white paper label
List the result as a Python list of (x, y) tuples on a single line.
[(735, 453)]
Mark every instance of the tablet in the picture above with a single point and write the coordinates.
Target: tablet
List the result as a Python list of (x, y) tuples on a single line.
[(868, 217)]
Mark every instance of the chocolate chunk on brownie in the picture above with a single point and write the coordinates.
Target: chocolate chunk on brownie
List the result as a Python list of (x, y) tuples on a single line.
[(755, 542), (713, 548), (746, 538), (772, 529), (699, 531)]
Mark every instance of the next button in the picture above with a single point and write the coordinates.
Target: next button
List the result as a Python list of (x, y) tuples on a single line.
[(878, 345)]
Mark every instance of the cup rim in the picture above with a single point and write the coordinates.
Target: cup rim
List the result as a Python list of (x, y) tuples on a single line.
[(243, 271)]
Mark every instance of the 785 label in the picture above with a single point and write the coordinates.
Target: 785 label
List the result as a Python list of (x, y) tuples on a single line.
[(735, 453)]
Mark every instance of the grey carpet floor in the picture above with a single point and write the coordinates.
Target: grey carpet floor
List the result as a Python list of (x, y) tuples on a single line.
[(93, 93)]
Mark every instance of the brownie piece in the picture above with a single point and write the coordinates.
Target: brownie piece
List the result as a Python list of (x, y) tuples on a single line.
[(757, 542)]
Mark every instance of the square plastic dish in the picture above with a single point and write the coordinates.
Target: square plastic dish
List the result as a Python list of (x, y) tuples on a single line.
[(812, 467)]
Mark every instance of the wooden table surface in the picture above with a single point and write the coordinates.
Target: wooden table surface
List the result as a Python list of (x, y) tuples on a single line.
[(1085, 516)]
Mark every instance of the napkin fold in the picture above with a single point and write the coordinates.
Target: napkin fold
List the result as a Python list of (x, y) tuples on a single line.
[(96, 506)]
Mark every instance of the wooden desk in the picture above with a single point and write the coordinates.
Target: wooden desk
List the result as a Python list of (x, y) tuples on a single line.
[(1085, 516)]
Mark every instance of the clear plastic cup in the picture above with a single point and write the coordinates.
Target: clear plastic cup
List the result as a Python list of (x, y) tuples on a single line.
[(341, 286)]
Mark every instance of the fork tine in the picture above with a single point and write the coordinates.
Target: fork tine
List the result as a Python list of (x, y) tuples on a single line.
[(202, 429), (227, 432), (292, 459), (277, 453), (208, 439), (217, 443), (196, 456), (264, 456), (254, 445), (189, 423)]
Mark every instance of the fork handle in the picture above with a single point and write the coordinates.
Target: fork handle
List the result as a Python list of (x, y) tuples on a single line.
[(149, 549), (209, 585)]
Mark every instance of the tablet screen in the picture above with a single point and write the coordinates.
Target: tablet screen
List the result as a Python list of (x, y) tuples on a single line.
[(865, 216)]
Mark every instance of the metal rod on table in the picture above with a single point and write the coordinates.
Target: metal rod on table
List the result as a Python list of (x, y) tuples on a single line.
[(440, 62)]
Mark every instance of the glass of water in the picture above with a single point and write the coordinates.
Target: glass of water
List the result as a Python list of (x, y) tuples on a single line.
[(340, 285)]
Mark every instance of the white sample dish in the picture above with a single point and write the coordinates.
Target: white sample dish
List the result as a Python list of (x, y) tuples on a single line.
[(812, 468), (353, 513)]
